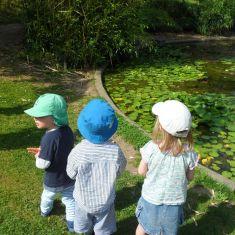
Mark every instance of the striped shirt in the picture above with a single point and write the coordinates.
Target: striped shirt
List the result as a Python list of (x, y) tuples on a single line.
[(95, 168)]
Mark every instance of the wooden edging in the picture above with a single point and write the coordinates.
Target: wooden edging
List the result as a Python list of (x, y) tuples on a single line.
[(102, 92)]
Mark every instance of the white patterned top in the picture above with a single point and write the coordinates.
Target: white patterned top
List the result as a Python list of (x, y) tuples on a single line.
[(166, 181)]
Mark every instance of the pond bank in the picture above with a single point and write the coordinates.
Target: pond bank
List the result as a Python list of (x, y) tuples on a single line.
[(177, 38), (102, 92)]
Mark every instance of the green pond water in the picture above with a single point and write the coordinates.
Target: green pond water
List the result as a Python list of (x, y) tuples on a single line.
[(202, 76)]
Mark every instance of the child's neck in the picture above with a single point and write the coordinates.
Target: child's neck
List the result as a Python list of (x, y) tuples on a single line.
[(51, 127)]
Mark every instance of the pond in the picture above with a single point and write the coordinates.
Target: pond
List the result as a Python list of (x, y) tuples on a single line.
[(202, 76)]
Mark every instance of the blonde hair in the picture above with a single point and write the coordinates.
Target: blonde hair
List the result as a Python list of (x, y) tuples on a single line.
[(169, 143)]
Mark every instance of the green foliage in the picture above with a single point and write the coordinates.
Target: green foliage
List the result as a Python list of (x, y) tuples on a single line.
[(11, 11), (204, 16), (85, 32), (170, 15), (171, 74), (215, 16)]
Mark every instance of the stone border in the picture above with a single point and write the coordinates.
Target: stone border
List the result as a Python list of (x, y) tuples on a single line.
[(184, 38), (102, 92)]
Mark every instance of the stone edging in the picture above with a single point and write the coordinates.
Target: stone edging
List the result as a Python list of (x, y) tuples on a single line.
[(102, 92), (180, 38)]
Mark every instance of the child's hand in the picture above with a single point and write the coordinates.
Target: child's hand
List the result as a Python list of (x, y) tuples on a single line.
[(33, 150)]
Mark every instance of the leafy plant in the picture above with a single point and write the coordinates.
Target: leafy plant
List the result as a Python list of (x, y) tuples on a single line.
[(215, 16), (11, 11), (85, 33), (174, 75)]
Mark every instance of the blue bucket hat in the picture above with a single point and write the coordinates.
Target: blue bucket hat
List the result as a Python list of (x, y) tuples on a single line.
[(97, 122)]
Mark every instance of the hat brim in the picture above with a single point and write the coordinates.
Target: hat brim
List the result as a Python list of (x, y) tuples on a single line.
[(98, 138), (157, 108), (34, 112)]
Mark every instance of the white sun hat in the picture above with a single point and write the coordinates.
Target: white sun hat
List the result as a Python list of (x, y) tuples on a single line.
[(174, 117)]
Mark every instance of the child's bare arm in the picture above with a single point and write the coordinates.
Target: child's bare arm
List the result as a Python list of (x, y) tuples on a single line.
[(190, 174), (143, 168)]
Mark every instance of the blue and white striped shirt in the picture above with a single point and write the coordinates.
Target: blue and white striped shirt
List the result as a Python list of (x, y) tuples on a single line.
[(95, 168)]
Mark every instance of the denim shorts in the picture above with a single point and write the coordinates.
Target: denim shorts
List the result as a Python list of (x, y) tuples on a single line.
[(159, 218), (103, 223)]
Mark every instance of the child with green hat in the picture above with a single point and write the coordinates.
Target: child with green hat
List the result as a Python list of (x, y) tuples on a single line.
[(95, 163), (50, 112)]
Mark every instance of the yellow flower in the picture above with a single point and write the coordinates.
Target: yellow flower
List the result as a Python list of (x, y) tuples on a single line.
[(207, 161), (118, 99)]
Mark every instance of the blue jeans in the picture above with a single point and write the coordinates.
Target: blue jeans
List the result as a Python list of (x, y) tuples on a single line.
[(48, 197), (159, 218)]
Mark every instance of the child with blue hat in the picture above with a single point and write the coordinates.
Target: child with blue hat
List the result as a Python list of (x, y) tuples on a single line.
[(50, 112), (95, 163)]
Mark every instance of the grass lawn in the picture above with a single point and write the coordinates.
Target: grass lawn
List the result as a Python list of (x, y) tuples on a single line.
[(21, 181)]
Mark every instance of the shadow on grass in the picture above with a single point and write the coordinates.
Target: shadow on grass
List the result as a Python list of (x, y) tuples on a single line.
[(127, 196), (14, 110), (23, 138), (127, 226), (58, 208), (217, 220), (68, 84)]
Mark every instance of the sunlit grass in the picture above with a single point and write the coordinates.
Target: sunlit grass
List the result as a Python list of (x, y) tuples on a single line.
[(21, 181)]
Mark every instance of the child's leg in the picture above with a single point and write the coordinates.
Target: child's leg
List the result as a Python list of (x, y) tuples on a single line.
[(47, 200), (68, 201), (139, 230), (105, 222), (83, 221)]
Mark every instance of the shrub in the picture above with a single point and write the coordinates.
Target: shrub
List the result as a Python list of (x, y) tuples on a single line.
[(215, 16), (85, 32), (10, 11), (170, 15)]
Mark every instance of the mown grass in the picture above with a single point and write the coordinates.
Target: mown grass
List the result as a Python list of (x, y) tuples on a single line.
[(21, 182)]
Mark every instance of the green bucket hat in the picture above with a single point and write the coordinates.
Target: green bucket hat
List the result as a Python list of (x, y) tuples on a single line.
[(50, 105)]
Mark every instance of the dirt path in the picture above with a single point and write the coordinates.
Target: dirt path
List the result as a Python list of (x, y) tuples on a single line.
[(11, 35)]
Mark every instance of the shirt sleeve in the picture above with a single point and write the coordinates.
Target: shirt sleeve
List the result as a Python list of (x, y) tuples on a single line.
[(192, 159), (47, 152), (71, 168), (146, 151), (122, 162), (42, 164)]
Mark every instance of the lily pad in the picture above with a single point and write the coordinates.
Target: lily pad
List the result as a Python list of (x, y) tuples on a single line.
[(227, 174), (231, 163)]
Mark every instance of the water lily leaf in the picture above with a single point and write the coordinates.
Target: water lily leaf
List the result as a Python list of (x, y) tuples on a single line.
[(227, 174), (214, 154), (231, 163), (215, 167), (233, 169)]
